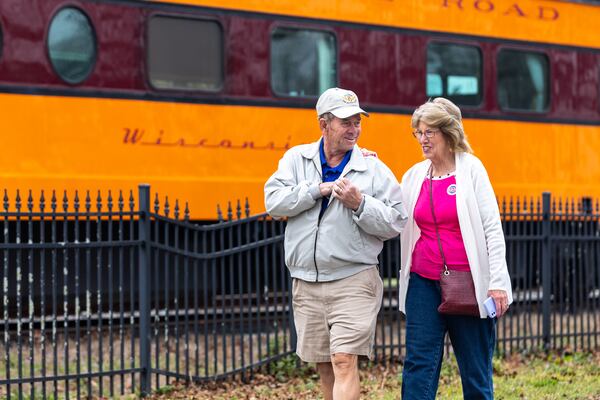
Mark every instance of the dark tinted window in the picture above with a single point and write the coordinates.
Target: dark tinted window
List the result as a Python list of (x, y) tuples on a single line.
[(303, 62), (72, 45), (523, 81), (1, 41), (454, 71), (185, 54)]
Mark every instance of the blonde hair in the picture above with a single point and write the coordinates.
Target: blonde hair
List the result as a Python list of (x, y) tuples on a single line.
[(444, 115)]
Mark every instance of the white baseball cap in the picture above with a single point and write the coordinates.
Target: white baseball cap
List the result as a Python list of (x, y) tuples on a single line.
[(340, 102)]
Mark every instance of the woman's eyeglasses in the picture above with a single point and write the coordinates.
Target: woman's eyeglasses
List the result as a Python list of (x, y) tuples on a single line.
[(429, 133)]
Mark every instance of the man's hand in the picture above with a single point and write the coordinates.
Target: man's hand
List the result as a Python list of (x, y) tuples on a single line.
[(325, 188), (347, 193)]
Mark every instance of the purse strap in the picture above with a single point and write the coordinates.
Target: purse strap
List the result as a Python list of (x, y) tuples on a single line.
[(430, 173)]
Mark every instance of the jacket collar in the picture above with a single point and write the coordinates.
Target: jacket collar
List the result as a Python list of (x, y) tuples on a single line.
[(458, 160), (357, 160)]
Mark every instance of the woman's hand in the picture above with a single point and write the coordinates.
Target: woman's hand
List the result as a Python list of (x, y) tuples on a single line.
[(501, 300), (368, 153)]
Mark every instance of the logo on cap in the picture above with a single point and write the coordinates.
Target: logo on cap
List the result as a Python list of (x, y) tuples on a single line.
[(340, 102), (349, 98)]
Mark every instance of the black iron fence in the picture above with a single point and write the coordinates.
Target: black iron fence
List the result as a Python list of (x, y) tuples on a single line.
[(112, 296)]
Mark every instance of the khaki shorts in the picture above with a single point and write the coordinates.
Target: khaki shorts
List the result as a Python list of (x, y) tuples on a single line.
[(337, 316)]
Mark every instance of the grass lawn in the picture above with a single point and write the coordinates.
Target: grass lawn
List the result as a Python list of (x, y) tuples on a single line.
[(554, 376)]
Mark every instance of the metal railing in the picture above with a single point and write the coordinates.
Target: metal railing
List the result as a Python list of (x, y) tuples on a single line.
[(102, 298), (553, 254)]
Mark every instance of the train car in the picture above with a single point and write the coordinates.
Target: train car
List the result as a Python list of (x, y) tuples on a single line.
[(201, 98)]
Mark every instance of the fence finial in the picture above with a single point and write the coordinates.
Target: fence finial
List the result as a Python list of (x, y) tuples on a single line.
[(18, 201), (53, 201), (65, 201), (120, 202), (131, 201), (247, 208), (5, 200), (572, 206), (30, 202), (42, 201), (219, 213), (88, 201), (156, 204), (99, 202), (560, 205), (76, 201)]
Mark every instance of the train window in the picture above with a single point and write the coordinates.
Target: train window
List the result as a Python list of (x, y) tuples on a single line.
[(1, 42), (185, 54), (72, 45), (454, 71), (523, 81), (303, 62)]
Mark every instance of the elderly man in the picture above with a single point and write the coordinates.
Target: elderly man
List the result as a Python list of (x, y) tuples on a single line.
[(341, 206)]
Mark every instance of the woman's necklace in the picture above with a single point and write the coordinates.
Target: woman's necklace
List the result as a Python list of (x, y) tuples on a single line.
[(431, 173)]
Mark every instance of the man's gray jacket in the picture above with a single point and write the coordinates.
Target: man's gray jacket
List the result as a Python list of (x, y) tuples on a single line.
[(343, 242)]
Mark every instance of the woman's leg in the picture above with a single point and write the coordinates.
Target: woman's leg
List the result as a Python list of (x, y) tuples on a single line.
[(425, 330), (473, 340)]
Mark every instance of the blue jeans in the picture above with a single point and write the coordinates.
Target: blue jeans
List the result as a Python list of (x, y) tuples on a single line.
[(473, 340)]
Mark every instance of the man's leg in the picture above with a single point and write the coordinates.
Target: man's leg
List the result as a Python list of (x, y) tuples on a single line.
[(327, 379), (353, 304), (345, 370)]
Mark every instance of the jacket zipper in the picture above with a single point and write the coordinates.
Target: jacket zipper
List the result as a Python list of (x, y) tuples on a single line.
[(317, 238), (315, 249)]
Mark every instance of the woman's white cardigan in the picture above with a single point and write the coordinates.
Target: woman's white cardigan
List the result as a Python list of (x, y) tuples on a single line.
[(480, 225)]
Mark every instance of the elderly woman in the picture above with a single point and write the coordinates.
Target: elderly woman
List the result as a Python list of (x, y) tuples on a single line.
[(453, 220)]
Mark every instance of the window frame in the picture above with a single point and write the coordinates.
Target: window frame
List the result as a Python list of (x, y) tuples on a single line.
[(482, 81), (597, 76), (548, 80), (1, 40), (300, 27), (94, 60), (200, 18)]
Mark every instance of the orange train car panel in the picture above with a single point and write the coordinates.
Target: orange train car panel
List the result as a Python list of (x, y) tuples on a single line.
[(110, 123)]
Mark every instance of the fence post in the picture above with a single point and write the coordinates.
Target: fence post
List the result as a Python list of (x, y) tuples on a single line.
[(144, 289), (546, 270)]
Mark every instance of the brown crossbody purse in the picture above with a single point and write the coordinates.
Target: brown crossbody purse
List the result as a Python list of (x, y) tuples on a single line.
[(457, 288)]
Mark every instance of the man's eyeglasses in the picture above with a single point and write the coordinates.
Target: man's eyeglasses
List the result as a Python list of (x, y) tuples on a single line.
[(429, 133)]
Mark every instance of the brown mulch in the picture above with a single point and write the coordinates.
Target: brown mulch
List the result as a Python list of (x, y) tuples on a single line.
[(268, 387)]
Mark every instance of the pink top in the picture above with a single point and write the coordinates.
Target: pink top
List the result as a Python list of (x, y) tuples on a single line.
[(426, 257)]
